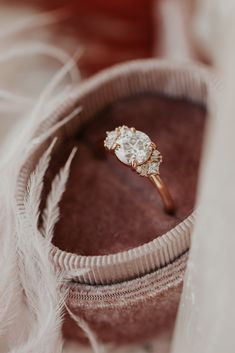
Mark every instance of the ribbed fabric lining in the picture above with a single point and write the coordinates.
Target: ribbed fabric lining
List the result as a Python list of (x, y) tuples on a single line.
[(150, 285)]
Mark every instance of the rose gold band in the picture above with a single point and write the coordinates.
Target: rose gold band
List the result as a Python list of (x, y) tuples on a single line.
[(164, 193)]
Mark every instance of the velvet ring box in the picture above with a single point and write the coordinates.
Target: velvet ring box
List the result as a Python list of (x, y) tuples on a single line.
[(112, 221)]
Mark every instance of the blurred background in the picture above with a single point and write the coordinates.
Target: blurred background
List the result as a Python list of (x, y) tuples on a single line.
[(37, 37), (109, 32)]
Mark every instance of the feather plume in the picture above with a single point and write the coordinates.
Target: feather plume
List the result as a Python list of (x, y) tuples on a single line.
[(51, 213), (54, 128), (54, 82), (30, 300), (39, 282), (35, 185), (34, 22), (8, 265), (73, 275)]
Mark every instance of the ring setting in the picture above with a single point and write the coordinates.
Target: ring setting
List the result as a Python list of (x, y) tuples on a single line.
[(134, 148)]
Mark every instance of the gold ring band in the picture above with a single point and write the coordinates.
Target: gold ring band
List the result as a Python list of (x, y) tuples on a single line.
[(164, 193)]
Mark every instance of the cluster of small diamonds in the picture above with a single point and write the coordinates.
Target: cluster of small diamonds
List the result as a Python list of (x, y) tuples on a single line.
[(119, 140), (110, 141), (151, 166)]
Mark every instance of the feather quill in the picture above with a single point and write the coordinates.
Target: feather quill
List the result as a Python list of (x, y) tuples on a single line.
[(95, 345)]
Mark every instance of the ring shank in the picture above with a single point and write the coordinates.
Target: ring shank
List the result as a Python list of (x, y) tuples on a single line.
[(164, 193)]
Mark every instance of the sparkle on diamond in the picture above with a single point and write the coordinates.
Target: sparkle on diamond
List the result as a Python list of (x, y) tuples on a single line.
[(134, 146), (153, 168), (110, 139)]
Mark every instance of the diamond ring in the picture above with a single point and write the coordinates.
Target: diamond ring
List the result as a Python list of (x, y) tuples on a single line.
[(135, 149)]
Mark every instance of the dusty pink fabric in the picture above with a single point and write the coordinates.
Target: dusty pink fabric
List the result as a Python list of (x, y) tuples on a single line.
[(130, 311)]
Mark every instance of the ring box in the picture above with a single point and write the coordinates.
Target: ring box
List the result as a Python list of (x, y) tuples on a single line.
[(112, 222)]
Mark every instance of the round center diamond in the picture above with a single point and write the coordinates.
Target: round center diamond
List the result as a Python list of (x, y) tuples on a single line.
[(133, 147)]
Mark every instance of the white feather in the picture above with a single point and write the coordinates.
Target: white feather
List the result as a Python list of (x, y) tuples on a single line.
[(35, 185), (33, 22), (51, 213), (95, 345), (9, 283), (40, 139), (39, 283), (30, 300)]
